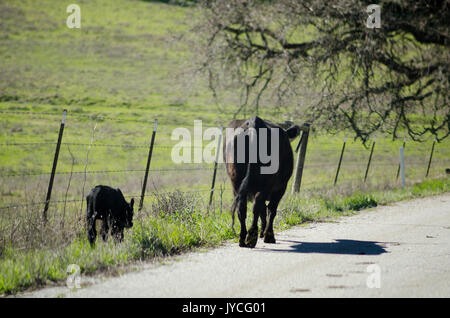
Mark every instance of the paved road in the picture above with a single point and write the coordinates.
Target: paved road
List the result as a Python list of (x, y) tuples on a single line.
[(401, 250)]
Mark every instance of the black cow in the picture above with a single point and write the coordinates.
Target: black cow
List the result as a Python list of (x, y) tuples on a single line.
[(108, 204), (248, 181)]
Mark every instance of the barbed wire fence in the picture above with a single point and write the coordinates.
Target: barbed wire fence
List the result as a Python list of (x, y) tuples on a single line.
[(71, 173), (302, 164)]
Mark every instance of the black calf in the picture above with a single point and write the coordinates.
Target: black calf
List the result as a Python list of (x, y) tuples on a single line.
[(108, 204)]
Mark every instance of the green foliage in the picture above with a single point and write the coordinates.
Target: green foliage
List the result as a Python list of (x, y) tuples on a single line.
[(420, 189), (355, 202)]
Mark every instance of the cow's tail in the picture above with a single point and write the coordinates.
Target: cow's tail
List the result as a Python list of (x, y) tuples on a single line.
[(241, 195)]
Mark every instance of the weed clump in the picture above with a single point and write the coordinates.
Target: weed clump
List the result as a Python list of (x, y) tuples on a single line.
[(355, 202), (180, 205)]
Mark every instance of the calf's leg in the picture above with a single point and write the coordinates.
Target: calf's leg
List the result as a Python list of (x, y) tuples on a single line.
[(91, 231), (90, 221), (117, 233), (105, 229)]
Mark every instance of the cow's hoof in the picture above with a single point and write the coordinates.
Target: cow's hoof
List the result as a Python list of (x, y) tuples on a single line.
[(269, 239), (242, 243), (251, 244), (261, 235), (251, 240)]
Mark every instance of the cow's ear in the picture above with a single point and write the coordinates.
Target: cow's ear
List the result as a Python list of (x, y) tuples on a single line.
[(132, 202), (293, 132)]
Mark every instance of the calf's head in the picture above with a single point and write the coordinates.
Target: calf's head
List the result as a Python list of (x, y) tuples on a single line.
[(129, 214)]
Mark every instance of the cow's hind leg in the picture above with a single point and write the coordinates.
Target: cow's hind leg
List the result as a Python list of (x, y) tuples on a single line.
[(275, 198), (263, 217), (242, 215), (258, 207)]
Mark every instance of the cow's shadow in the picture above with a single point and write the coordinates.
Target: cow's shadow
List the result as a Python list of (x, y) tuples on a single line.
[(339, 246)]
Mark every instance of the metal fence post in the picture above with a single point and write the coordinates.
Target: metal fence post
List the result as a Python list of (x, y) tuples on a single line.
[(300, 159), (340, 161), (370, 158), (215, 169), (149, 159), (402, 165), (55, 162), (431, 157)]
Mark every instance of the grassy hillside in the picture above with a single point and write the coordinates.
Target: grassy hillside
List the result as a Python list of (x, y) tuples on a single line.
[(121, 56)]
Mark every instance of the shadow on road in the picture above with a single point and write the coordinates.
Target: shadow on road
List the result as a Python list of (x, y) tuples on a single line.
[(349, 247)]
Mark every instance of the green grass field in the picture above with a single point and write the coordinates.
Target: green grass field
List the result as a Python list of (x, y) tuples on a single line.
[(127, 66)]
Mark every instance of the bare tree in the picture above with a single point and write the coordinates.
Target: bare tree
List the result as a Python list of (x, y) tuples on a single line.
[(393, 79)]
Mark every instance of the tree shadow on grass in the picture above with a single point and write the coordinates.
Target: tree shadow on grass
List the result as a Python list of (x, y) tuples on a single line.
[(340, 246)]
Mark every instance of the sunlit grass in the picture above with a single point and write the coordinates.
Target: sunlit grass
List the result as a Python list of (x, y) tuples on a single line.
[(184, 228)]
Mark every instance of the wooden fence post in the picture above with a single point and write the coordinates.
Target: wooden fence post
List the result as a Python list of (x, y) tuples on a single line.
[(398, 170), (340, 161), (370, 159), (55, 162), (431, 157), (215, 169), (402, 165), (300, 158), (149, 159)]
